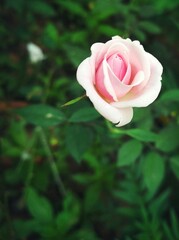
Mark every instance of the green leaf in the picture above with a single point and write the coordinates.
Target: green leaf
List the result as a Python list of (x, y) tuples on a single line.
[(78, 140), (64, 222), (73, 7), (142, 135), (167, 231), (41, 115), (85, 233), (175, 223), (47, 230), (153, 171), (129, 152), (140, 35), (79, 36), (84, 115), (164, 5), (91, 198), (39, 207), (108, 30), (171, 95), (21, 138), (70, 214), (167, 140), (42, 8), (174, 164), (24, 228), (142, 118), (76, 54), (104, 9), (157, 204), (150, 27), (82, 178), (126, 195), (51, 32)]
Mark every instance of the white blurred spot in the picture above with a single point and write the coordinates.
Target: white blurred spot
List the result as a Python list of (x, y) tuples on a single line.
[(49, 115), (35, 53)]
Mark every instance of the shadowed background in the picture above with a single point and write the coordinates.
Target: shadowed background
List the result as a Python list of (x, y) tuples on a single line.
[(65, 172)]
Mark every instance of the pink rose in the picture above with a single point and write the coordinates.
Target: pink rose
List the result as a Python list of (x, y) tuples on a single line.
[(118, 76)]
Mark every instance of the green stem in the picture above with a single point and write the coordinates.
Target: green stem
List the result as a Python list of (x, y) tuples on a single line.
[(73, 101), (30, 173), (31, 161), (52, 163)]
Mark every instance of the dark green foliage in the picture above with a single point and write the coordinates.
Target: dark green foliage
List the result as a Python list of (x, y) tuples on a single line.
[(78, 140), (41, 115), (124, 157), (65, 172)]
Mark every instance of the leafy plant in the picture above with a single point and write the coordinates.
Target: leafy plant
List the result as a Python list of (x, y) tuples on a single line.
[(65, 172)]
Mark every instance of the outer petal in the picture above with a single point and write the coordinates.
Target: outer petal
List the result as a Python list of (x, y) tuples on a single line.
[(117, 116), (96, 47), (149, 93)]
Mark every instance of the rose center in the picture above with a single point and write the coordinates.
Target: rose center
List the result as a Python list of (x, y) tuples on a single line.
[(117, 65)]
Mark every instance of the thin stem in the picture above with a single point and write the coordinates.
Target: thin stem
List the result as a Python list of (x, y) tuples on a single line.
[(52, 163), (73, 101), (31, 161)]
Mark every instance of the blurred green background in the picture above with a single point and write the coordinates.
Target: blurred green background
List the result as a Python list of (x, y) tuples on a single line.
[(65, 172)]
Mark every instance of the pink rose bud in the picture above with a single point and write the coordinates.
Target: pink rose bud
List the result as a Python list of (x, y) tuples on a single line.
[(118, 76)]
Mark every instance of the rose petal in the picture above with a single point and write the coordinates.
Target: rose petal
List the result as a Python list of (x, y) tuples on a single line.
[(107, 82), (96, 47), (116, 88), (99, 84), (110, 81), (102, 80), (99, 50), (118, 66), (137, 58), (149, 93), (117, 116), (127, 77)]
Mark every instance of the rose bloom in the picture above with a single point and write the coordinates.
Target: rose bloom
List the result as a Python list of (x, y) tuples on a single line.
[(118, 76)]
